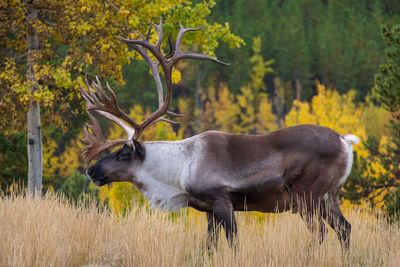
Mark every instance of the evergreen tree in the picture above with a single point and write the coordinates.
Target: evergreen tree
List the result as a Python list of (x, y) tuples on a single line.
[(382, 186), (388, 87), (336, 42)]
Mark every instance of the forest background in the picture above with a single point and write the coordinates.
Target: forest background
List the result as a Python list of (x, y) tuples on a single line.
[(292, 62)]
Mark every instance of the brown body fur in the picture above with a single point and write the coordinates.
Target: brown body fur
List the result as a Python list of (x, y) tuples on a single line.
[(296, 168), (266, 172)]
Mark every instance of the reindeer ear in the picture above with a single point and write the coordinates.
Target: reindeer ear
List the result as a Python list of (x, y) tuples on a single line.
[(139, 150)]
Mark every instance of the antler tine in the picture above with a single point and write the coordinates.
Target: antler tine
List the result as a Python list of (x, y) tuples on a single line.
[(90, 95), (98, 92), (171, 48), (141, 36), (182, 31), (179, 54), (159, 32), (112, 94), (132, 42), (164, 119), (85, 96), (90, 140), (191, 55), (175, 114), (99, 87), (95, 143), (108, 105), (148, 34)]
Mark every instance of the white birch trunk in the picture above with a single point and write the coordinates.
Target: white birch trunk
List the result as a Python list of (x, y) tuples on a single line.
[(35, 154)]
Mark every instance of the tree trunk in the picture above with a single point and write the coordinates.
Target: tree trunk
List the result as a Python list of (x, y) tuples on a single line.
[(198, 101), (35, 154), (298, 90), (279, 101)]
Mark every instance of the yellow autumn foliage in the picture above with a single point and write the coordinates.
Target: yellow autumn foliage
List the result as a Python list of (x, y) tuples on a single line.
[(71, 158), (120, 196), (247, 115), (225, 110), (266, 119)]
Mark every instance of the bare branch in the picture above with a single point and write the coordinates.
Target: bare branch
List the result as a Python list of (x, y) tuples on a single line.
[(112, 5), (16, 58), (44, 21)]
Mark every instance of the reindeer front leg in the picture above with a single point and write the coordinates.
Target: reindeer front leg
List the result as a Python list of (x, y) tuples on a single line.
[(223, 211)]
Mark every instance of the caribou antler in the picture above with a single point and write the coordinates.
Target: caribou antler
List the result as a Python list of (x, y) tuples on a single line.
[(167, 63), (108, 106), (95, 143)]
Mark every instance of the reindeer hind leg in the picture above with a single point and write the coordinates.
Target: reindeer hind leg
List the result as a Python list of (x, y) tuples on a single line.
[(333, 215)]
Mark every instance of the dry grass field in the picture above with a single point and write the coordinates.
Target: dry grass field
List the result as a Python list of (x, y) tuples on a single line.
[(48, 232)]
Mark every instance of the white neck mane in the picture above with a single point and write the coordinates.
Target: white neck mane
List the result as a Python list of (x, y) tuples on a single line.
[(164, 173)]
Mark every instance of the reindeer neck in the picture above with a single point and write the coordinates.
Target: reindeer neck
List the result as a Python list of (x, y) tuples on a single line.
[(163, 175)]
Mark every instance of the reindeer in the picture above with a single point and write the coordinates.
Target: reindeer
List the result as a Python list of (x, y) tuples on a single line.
[(300, 168)]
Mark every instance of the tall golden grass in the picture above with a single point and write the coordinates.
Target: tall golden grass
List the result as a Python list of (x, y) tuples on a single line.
[(49, 232)]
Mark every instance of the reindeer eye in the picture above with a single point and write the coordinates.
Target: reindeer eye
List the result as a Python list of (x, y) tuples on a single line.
[(123, 156)]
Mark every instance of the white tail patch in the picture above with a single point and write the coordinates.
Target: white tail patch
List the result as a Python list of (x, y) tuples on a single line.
[(348, 140), (351, 139)]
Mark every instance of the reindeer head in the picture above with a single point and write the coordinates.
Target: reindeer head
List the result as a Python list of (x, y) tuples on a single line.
[(119, 165)]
